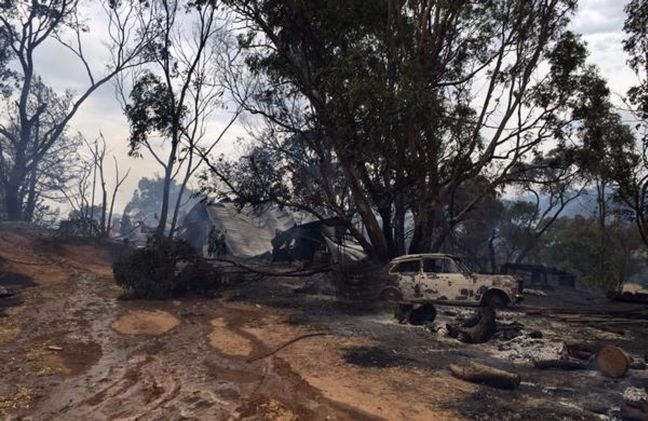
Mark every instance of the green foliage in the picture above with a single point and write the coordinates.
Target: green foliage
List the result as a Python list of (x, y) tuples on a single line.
[(152, 110), (573, 245), (392, 92), (165, 268), (636, 46)]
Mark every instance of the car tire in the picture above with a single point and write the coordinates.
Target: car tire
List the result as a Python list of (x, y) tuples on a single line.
[(495, 299)]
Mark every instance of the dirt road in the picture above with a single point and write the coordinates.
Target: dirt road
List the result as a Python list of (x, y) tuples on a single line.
[(70, 349)]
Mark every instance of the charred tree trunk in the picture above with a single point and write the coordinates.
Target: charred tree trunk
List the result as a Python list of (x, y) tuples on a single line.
[(376, 235), (13, 203), (602, 228), (423, 231), (183, 187), (168, 173), (399, 226), (32, 197)]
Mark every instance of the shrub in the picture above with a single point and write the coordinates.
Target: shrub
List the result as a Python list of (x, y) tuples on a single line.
[(165, 268), (360, 280)]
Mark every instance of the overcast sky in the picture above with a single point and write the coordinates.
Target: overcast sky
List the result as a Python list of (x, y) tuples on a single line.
[(599, 21)]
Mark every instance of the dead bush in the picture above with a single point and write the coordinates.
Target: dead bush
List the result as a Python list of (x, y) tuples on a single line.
[(360, 280), (165, 268)]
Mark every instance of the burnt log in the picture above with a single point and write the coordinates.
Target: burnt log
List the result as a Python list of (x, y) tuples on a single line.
[(559, 365), (483, 374), (612, 361), (480, 329), (415, 315), (583, 351)]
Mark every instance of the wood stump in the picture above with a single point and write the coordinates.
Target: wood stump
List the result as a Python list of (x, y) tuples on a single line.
[(612, 361)]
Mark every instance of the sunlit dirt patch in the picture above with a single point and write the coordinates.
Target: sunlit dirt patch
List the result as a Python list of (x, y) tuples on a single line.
[(8, 331), (45, 360), (265, 408), (377, 391), (20, 399), (227, 341), (91, 258), (142, 322)]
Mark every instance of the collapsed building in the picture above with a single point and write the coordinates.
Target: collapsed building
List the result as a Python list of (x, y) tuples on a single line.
[(224, 229)]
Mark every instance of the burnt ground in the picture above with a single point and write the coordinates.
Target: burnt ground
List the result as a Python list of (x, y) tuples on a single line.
[(71, 349)]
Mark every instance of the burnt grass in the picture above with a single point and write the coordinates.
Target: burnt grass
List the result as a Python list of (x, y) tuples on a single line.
[(372, 356)]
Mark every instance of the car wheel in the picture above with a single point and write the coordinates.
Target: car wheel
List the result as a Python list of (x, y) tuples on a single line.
[(495, 299)]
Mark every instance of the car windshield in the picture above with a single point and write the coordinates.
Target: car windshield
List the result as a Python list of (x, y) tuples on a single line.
[(439, 265), (461, 265), (407, 266)]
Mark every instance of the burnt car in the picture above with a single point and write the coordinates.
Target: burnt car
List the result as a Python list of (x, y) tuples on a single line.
[(445, 279), (635, 291)]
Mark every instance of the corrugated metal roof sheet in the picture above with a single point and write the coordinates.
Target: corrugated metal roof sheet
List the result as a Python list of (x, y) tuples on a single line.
[(249, 233)]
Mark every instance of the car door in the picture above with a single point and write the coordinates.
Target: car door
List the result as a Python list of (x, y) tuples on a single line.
[(409, 274), (442, 279)]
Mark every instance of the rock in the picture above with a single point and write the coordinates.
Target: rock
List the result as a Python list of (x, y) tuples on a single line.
[(635, 396)]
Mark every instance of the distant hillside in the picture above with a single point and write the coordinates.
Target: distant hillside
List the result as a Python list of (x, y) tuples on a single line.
[(585, 205)]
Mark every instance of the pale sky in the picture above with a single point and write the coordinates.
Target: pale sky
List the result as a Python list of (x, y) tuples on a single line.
[(599, 21)]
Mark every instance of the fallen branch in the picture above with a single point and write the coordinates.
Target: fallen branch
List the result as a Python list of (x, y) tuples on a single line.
[(297, 273), (284, 345), (480, 373)]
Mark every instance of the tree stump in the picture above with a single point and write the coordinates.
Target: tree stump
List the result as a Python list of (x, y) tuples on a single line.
[(476, 330), (612, 361)]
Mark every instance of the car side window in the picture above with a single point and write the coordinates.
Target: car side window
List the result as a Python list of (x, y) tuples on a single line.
[(408, 266), (439, 266)]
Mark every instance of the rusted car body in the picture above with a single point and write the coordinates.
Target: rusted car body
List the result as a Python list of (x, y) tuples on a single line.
[(631, 291), (445, 279)]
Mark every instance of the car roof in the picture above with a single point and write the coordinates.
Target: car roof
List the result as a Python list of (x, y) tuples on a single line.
[(422, 255)]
